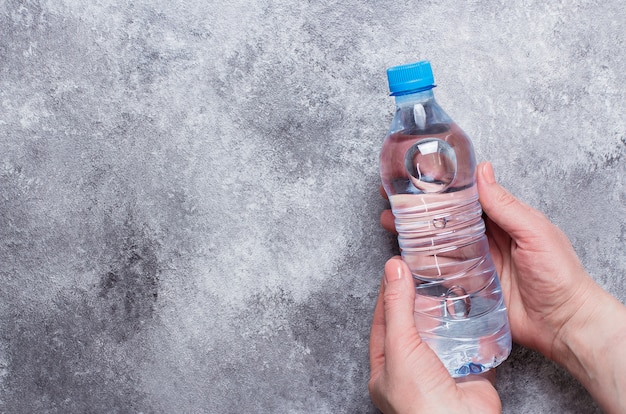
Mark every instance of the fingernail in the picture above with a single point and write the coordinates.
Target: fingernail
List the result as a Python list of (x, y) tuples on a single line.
[(394, 274), (488, 173)]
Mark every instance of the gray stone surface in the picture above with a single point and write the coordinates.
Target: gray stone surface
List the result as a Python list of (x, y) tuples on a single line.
[(189, 190)]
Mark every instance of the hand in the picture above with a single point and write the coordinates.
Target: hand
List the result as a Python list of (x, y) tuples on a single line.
[(554, 306), (406, 375), (543, 281)]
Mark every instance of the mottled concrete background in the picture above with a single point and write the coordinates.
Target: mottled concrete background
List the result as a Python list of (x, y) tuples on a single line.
[(189, 189)]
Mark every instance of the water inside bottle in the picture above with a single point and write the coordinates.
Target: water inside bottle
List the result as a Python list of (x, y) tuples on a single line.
[(427, 166), (459, 310)]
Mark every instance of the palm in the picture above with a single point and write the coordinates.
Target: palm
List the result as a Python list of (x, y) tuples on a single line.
[(428, 383), (536, 282), (405, 373), (479, 394)]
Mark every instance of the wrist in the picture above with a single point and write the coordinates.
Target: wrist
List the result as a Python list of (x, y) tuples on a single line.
[(574, 342), (589, 346)]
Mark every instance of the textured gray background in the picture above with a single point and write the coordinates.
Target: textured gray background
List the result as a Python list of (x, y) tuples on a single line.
[(189, 190)]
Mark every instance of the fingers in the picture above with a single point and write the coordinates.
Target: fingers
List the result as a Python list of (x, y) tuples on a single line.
[(509, 213), (387, 220), (406, 355), (383, 193)]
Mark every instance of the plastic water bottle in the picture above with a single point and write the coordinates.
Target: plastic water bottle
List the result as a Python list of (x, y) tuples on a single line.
[(428, 168)]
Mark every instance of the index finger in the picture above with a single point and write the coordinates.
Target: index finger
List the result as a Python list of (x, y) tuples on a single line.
[(383, 192)]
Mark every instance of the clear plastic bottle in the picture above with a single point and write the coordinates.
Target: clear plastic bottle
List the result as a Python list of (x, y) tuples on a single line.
[(428, 168)]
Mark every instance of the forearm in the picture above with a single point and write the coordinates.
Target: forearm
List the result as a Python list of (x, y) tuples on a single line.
[(593, 348)]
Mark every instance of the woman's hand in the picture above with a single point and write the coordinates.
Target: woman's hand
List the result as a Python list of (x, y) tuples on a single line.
[(554, 306), (406, 375)]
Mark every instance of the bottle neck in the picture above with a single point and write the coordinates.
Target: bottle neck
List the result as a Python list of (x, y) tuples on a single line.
[(415, 97)]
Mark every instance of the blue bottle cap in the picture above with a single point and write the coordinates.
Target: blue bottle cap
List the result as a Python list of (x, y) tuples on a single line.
[(413, 77)]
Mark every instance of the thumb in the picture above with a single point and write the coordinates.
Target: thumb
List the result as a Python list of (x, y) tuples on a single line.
[(405, 352), (399, 300), (512, 215)]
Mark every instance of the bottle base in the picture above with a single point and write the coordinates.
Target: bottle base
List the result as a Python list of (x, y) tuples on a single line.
[(463, 357)]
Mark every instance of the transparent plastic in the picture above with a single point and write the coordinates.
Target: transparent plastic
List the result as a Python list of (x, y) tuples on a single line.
[(428, 171)]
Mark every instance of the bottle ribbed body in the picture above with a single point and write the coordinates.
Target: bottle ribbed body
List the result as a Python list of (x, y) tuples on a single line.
[(428, 171)]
